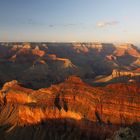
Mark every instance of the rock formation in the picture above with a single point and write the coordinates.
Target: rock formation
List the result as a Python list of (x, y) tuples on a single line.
[(108, 104), (116, 104), (87, 60), (124, 134), (51, 96)]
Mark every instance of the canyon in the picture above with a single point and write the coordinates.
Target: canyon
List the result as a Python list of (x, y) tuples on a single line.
[(32, 64), (68, 90)]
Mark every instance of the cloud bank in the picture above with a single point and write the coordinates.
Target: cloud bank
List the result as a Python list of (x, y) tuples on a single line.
[(107, 24)]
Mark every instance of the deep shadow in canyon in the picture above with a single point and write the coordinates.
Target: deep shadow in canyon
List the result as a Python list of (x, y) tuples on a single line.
[(62, 129)]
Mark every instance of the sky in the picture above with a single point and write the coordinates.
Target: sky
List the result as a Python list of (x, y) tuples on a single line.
[(70, 20)]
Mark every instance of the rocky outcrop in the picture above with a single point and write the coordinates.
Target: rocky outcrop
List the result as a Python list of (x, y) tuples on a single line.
[(13, 93), (38, 52), (127, 48), (119, 76), (124, 134), (116, 104), (33, 116), (61, 62), (117, 73)]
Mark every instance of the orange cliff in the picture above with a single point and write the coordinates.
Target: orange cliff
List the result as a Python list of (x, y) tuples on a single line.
[(115, 104), (29, 115), (18, 52), (38, 52), (126, 49), (16, 94)]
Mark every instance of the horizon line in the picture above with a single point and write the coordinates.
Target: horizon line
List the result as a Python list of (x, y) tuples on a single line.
[(102, 42)]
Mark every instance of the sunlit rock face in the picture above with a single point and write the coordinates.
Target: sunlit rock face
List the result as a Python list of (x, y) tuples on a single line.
[(114, 104), (126, 48), (28, 116), (38, 52), (68, 102), (13, 93)]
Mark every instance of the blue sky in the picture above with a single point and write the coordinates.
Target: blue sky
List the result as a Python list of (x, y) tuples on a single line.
[(70, 20)]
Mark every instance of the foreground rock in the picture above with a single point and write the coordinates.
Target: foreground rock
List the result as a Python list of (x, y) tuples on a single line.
[(76, 107), (124, 134)]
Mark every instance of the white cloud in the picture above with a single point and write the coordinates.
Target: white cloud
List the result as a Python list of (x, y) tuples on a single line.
[(107, 24)]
